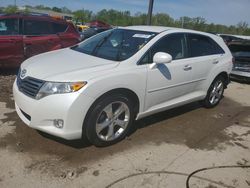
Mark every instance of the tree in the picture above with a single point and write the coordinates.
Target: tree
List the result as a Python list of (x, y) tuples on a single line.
[(56, 9), (82, 16), (11, 9)]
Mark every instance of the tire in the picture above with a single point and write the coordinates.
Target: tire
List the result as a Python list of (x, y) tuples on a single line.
[(109, 120), (215, 92)]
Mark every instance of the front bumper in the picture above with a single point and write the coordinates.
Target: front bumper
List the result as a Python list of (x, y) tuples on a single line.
[(40, 114)]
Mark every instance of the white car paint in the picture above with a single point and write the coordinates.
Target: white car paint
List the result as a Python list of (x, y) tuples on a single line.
[(154, 91)]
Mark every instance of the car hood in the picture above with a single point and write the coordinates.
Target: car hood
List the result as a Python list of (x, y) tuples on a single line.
[(65, 65)]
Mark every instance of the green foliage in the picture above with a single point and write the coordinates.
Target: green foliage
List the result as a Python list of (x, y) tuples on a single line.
[(82, 16), (11, 9), (56, 9)]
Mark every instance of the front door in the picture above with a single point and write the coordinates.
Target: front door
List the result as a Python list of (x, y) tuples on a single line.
[(169, 81)]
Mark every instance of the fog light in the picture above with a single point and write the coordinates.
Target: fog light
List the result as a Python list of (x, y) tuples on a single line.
[(58, 123)]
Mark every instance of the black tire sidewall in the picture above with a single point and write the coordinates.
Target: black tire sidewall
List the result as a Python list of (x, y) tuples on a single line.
[(90, 130)]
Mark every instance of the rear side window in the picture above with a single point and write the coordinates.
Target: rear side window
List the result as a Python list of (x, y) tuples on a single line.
[(35, 27), (59, 28), (200, 45), (9, 26)]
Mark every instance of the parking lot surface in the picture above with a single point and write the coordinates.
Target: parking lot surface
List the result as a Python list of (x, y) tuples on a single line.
[(163, 151)]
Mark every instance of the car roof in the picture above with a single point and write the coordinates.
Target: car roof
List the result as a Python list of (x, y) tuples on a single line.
[(155, 29), (33, 16), (159, 29)]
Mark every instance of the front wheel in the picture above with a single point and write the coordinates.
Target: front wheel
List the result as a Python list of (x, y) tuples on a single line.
[(215, 92), (109, 120)]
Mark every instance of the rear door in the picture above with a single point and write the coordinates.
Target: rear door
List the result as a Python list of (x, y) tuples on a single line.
[(204, 55), (11, 43), (39, 37)]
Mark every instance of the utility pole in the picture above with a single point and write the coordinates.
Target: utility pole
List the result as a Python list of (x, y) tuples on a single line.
[(150, 11)]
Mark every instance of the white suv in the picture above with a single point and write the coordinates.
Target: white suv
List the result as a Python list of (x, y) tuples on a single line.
[(96, 89)]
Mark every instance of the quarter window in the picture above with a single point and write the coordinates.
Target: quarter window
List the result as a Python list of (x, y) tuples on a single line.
[(9, 26), (59, 28), (202, 46)]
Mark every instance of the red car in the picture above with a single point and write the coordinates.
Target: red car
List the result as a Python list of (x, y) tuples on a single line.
[(23, 36)]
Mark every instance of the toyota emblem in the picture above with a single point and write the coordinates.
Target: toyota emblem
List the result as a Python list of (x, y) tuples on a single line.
[(23, 73)]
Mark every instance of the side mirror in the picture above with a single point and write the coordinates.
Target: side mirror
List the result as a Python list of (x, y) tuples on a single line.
[(160, 58)]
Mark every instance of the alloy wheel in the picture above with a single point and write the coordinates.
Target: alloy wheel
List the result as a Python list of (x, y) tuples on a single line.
[(112, 121)]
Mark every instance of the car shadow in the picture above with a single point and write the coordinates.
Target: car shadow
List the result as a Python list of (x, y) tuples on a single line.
[(139, 124), (164, 70)]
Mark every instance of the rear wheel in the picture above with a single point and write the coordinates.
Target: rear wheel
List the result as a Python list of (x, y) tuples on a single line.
[(109, 120), (215, 92)]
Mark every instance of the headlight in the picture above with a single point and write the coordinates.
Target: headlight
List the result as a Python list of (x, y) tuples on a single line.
[(50, 88)]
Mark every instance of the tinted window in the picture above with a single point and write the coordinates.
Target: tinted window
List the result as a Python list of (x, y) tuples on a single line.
[(59, 28), (9, 26), (201, 46), (173, 44), (116, 44), (34, 27)]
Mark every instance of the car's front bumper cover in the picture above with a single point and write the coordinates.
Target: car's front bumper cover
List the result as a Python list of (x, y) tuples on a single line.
[(40, 114)]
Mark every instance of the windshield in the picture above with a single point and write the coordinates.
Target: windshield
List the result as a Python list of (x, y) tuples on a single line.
[(116, 44)]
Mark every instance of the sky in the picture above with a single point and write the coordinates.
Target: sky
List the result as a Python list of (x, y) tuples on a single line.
[(227, 12)]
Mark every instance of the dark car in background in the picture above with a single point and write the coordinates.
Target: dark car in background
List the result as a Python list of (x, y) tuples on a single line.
[(95, 27), (26, 35), (241, 52), (230, 38), (91, 32)]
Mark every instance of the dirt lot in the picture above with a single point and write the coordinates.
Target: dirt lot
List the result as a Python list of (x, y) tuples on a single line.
[(162, 152)]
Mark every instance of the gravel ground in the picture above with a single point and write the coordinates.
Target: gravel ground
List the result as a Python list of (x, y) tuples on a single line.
[(162, 152)]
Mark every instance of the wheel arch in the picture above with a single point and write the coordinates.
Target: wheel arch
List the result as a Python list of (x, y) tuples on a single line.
[(124, 91), (225, 76)]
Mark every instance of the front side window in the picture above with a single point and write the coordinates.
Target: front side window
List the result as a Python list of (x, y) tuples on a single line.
[(173, 44), (116, 44), (9, 26), (202, 46), (35, 27)]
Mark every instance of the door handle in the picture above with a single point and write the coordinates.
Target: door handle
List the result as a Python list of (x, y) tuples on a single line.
[(215, 62), (187, 68)]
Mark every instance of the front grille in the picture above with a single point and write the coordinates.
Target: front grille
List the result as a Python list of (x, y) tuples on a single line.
[(29, 86)]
